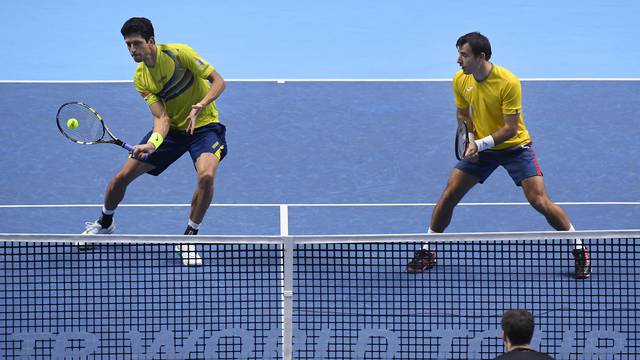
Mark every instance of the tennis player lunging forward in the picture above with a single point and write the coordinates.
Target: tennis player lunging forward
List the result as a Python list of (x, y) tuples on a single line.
[(488, 99), (180, 88)]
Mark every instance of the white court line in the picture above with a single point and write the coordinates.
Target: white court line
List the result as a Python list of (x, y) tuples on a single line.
[(568, 203), (324, 239), (282, 81), (65, 81)]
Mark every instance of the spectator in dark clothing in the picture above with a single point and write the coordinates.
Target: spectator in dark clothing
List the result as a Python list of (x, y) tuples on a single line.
[(517, 331)]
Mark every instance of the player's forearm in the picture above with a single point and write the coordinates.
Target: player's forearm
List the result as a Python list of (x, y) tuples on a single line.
[(161, 125), (504, 133), (509, 130), (161, 120), (217, 87)]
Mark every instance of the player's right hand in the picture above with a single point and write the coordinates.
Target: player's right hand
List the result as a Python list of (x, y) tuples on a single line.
[(143, 150), (472, 152)]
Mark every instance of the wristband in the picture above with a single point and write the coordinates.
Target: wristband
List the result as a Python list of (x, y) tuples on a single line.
[(485, 143), (155, 139)]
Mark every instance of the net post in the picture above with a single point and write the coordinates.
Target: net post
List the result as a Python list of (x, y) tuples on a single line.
[(287, 299), (284, 220), (287, 284)]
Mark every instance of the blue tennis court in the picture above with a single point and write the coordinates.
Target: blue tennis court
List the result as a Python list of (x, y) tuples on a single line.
[(354, 157), (324, 143)]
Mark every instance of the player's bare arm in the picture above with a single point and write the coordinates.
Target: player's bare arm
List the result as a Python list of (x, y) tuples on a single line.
[(217, 87), (509, 130), (161, 125)]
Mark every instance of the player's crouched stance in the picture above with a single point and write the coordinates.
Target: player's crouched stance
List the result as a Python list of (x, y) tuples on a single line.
[(488, 100), (180, 88)]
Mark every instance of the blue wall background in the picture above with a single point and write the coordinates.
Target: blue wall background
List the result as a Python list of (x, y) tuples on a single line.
[(80, 40)]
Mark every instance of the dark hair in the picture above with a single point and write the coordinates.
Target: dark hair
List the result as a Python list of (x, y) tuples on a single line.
[(138, 26), (518, 326), (479, 44)]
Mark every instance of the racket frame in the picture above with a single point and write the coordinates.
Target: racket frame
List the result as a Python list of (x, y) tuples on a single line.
[(462, 130), (105, 129)]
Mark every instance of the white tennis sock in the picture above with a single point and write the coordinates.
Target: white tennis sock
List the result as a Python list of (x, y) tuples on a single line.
[(576, 242), (426, 245), (193, 225), (107, 212)]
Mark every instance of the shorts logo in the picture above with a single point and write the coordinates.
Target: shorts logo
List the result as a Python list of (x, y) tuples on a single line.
[(215, 145)]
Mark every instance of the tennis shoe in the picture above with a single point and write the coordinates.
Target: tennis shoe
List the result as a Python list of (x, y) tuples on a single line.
[(94, 228), (190, 231), (582, 259), (422, 260), (189, 255)]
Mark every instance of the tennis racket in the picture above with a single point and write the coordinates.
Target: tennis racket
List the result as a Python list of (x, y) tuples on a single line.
[(88, 127), (462, 140)]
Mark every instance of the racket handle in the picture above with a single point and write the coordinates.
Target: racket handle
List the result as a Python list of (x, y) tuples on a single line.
[(131, 147)]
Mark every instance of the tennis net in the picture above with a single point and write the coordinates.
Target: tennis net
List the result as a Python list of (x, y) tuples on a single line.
[(307, 297)]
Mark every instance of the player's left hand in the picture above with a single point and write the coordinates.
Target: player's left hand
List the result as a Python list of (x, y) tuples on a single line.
[(193, 117), (472, 152)]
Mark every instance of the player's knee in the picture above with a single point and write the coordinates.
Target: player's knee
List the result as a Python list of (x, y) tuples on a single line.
[(118, 181), (449, 198), (539, 201)]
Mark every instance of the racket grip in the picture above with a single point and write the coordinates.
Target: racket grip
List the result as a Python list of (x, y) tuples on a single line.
[(131, 147)]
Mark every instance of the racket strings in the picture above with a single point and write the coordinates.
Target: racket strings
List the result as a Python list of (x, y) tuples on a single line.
[(89, 129), (461, 142)]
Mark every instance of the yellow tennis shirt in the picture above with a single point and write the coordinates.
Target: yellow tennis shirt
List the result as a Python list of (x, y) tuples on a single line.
[(498, 95), (179, 80)]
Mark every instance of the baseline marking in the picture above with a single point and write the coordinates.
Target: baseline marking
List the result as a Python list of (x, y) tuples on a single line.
[(567, 203)]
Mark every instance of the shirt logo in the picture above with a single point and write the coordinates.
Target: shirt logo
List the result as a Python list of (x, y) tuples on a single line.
[(468, 88)]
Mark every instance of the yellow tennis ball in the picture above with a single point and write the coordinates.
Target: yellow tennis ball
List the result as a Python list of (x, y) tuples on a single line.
[(72, 123)]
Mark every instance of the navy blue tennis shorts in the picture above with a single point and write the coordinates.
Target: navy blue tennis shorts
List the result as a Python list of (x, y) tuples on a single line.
[(206, 139), (519, 161)]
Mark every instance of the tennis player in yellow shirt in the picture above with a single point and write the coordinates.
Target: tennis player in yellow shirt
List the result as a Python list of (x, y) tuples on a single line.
[(180, 88), (489, 100)]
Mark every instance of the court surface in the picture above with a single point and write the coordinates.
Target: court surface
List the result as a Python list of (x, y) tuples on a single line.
[(323, 143), (347, 158)]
